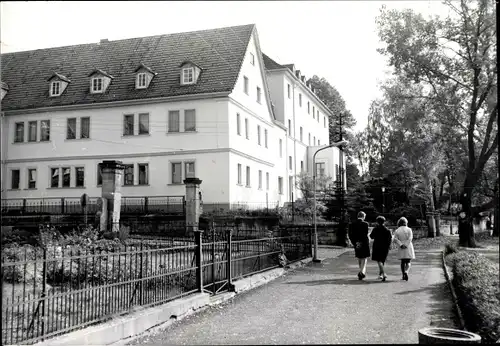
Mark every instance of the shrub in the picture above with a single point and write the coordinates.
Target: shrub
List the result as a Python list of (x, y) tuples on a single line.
[(20, 273), (476, 280), (450, 248)]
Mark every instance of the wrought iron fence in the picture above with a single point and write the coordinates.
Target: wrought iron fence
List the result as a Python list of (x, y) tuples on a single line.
[(47, 292)]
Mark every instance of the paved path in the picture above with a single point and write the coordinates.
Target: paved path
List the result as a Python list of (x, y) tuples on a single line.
[(325, 303)]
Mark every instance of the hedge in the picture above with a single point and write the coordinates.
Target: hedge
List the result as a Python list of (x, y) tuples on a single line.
[(476, 280)]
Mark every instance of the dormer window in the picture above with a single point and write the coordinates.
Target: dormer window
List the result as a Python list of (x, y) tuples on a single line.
[(141, 80), (57, 84), (143, 77), (97, 85), (5, 89), (190, 73), (55, 89), (99, 81)]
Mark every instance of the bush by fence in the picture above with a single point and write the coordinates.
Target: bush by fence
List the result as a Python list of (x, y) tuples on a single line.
[(69, 283), (476, 280)]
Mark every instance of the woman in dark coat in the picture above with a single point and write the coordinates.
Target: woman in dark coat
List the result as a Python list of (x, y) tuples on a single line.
[(382, 239), (358, 235)]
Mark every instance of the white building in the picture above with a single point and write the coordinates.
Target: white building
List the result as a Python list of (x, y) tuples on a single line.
[(168, 106)]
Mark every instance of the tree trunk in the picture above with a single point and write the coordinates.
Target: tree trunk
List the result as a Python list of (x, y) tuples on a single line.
[(466, 229), (431, 223)]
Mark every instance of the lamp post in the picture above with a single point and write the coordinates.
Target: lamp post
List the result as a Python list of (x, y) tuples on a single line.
[(383, 199), (336, 144)]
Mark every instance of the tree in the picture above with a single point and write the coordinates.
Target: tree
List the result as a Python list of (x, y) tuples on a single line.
[(305, 205), (334, 101), (454, 61)]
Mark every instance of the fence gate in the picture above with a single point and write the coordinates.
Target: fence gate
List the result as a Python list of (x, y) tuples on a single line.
[(216, 250)]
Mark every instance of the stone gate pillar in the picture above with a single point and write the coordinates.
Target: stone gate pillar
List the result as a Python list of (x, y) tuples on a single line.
[(112, 172), (193, 210)]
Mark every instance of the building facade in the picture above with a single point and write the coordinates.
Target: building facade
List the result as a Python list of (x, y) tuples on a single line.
[(206, 104)]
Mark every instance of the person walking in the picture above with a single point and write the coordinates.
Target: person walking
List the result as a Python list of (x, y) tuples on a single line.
[(358, 235), (403, 237), (382, 239)]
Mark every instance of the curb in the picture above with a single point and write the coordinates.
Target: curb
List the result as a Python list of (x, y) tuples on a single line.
[(125, 329), (453, 293)]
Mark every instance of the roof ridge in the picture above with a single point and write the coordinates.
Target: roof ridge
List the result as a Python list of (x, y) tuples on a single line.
[(130, 38)]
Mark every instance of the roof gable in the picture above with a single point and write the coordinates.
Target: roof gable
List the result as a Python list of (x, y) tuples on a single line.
[(219, 51)]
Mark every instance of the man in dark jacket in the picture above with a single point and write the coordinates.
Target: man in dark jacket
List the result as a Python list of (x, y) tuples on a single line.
[(358, 235)]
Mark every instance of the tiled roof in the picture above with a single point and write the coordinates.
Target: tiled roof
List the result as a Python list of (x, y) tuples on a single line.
[(219, 52), (270, 64)]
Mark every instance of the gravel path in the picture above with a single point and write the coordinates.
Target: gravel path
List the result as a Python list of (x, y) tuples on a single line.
[(325, 303)]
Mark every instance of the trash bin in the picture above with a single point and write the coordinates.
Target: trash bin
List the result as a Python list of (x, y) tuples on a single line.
[(447, 336)]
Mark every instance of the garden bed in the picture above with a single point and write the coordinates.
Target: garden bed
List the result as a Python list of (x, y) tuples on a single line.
[(475, 279)]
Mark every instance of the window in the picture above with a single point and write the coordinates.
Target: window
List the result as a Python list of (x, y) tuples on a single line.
[(309, 139), (258, 94), (15, 179), (54, 177), (280, 185), (313, 111), (19, 135), (55, 89), (290, 186), (141, 80), (246, 128), (85, 127), (128, 125), (267, 180), (245, 85), (320, 169), (302, 166), (265, 138), (189, 120), (324, 121), (314, 140), (260, 179), (188, 75), (32, 130), (319, 143), (290, 162), (45, 127), (176, 173), (238, 124), (31, 178), (143, 123), (143, 173), (239, 173), (173, 121), (317, 114), (71, 128), (97, 84), (301, 139), (289, 91), (300, 100), (289, 127), (258, 135), (189, 169), (248, 177), (308, 109), (281, 147), (128, 175), (80, 177), (66, 177), (99, 174), (252, 59)]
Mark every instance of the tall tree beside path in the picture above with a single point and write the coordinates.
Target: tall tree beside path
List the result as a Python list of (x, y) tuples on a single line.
[(454, 60)]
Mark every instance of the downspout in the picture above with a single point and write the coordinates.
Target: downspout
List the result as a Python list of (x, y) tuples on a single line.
[(3, 154), (293, 125), (294, 166)]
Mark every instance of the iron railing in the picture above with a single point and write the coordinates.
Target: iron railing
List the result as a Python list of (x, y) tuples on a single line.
[(52, 291)]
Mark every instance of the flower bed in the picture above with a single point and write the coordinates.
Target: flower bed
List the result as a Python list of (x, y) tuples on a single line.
[(476, 281)]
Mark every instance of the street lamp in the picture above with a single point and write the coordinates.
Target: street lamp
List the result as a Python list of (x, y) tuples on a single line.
[(383, 199), (336, 144)]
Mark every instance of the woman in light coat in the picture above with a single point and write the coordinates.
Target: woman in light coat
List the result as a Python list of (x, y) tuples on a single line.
[(403, 237)]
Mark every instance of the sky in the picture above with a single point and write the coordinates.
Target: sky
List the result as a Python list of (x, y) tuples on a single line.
[(336, 40)]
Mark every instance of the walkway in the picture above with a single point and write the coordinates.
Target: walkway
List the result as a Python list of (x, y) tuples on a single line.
[(325, 303)]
